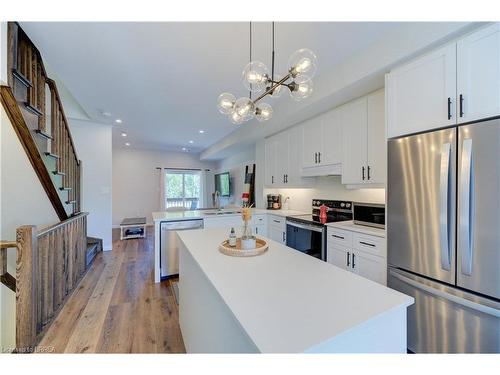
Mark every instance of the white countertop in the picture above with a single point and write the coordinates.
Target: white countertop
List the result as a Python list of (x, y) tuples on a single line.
[(202, 214), (287, 301), (349, 225)]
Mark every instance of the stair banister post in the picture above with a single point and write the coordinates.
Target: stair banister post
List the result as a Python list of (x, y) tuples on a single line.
[(26, 288)]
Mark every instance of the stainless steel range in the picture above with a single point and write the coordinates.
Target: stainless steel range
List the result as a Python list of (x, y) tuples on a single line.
[(307, 233)]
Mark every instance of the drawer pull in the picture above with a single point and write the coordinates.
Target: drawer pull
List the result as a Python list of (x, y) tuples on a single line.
[(334, 235), (277, 221), (366, 243)]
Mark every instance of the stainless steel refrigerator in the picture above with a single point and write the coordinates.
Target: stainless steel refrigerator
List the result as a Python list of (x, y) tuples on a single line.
[(443, 230)]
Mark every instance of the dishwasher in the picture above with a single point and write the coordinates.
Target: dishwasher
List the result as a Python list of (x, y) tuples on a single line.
[(169, 244)]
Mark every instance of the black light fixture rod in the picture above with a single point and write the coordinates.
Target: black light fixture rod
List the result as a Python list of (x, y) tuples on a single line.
[(273, 86), (272, 61), (250, 91)]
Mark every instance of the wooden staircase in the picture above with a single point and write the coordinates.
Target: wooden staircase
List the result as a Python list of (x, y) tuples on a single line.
[(49, 262), (34, 107)]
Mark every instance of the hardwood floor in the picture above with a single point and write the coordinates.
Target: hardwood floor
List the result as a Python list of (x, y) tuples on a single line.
[(117, 308)]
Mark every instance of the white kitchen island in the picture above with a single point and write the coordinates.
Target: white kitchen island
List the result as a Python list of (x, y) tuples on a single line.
[(281, 302)]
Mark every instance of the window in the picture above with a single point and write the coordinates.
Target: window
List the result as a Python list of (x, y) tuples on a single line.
[(182, 189)]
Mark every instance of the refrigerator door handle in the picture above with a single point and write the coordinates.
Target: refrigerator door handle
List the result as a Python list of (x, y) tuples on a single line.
[(444, 187), (447, 296), (466, 208)]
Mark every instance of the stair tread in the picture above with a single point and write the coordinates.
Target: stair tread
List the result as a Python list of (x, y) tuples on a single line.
[(33, 109), (52, 155), (43, 134), (59, 173)]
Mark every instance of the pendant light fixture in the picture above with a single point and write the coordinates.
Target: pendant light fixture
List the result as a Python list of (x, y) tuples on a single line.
[(257, 78)]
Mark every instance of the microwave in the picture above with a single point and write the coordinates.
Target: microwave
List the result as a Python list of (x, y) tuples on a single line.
[(370, 214)]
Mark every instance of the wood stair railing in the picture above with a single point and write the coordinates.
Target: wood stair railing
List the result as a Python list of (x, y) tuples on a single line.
[(35, 109), (49, 264), (5, 277)]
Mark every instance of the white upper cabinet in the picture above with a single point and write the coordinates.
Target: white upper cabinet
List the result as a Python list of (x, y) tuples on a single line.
[(376, 141), (282, 159), (363, 141), (421, 94), (354, 142), (270, 162), (457, 83), (331, 137), (312, 133), (478, 75), (321, 144)]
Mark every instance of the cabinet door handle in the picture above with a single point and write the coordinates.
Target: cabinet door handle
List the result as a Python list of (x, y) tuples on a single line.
[(461, 105), (363, 172), (283, 236), (449, 108), (348, 259), (286, 179), (315, 158), (256, 230), (368, 172), (353, 264), (272, 179), (319, 157), (366, 243), (283, 178), (334, 235), (277, 221)]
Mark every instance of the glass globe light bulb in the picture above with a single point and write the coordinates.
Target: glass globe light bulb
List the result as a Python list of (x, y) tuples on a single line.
[(255, 76), (302, 90), (235, 118), (245, 108), (225, 103), (301, 62), (263, 112)]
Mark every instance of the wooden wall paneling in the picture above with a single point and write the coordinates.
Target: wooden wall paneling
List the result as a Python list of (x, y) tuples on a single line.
[(58, 269), (26, 288)]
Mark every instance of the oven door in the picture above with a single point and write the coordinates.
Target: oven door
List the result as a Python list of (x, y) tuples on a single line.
[(308, 239)]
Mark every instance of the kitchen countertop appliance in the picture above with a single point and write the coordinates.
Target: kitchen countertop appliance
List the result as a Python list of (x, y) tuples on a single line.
[(169, 244), (443, 236), (307, 233), (273, 201), (369, 214)]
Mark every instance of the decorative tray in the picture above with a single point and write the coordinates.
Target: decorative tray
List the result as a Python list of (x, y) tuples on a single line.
[(261, 248)]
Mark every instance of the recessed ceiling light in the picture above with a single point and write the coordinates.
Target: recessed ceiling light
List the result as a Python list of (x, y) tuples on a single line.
[(202, 131), (127, 143), (124, 134), (118, 121), (184, 149), (191, 142)]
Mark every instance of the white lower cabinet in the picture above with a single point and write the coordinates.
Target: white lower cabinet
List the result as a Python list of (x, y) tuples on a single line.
[(259, 223), (276, 229), (370, 266), (223, 222), (344, 251)]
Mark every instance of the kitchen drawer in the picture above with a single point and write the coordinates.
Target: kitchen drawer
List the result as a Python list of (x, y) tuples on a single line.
[(369, 244), (339, 237), (259, 219), (277, 221)]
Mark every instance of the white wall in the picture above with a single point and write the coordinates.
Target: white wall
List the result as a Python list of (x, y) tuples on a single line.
[(22, 201), (136, 184), (94, 148), (235, 165)]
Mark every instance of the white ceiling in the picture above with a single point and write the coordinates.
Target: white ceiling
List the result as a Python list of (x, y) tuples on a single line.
[(163, 79)]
